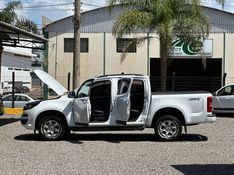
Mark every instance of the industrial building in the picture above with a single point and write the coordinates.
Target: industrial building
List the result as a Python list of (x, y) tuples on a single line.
[(102, 53)]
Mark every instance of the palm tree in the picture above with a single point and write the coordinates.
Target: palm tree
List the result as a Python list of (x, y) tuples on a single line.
[(169, 18)]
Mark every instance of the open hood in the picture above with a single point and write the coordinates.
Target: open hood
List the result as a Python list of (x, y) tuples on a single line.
[(51, 82)]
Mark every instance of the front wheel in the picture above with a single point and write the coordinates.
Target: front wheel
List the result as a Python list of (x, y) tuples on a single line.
[(51, 128), (168, 128)]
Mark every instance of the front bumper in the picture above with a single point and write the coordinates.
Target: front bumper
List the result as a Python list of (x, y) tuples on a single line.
[(27, 121)]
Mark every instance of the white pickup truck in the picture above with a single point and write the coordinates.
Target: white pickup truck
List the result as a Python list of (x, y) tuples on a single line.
[(116, 102)]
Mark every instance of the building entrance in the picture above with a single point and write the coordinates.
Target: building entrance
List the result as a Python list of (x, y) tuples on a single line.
[(188, 74)]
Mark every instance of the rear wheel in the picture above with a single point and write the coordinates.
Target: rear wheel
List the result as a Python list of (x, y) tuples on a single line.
[(52, 128), (168, 128)]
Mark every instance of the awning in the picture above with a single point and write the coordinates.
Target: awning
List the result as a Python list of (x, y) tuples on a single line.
[(16, 37)]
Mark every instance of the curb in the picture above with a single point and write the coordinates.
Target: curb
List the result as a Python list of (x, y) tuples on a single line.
[(13, 111)]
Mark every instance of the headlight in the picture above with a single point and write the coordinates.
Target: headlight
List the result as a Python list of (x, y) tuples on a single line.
[(31, 105)]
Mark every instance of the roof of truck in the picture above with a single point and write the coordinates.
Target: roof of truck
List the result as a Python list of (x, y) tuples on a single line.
[(119, 75)]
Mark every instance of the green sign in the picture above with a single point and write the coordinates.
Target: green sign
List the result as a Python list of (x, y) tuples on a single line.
[(181, 48)]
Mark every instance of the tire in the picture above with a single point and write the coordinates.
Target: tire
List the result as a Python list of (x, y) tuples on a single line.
[(51, 128), (168, 128)]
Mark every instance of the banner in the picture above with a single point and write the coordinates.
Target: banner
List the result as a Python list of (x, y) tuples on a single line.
[(181, 48)]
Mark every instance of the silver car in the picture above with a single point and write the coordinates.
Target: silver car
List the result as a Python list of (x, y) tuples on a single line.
[(20, 100), (223, 99)]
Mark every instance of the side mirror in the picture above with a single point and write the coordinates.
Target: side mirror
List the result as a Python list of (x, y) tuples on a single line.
[(71, 94)]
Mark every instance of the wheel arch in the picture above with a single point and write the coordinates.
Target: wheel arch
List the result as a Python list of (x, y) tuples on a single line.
[(169, 111), (48, 113)]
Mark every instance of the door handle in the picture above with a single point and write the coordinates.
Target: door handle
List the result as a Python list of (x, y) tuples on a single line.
[(226, 98)]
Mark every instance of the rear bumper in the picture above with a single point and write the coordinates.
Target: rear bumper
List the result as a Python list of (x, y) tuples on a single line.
[(211, 118)]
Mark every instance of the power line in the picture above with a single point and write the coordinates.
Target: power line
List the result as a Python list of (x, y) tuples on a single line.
[(89, 4), (40, 10), (42, 6), (47, 5)]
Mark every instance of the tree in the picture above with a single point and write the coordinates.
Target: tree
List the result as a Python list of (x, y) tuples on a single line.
[(8, 14), (169, 18), (27, 25)]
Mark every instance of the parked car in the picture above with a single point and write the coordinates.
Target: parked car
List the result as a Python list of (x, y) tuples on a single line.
[(116, 102), (223, 99), (7, 90), (1, 106), (20, 100)]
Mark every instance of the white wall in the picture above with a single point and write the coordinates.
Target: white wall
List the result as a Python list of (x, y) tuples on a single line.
[(21, 75)]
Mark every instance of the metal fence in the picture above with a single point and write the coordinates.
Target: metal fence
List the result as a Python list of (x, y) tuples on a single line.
[(185, 83)]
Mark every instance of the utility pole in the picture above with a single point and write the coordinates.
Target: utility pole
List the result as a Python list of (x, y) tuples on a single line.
[(76, 54)]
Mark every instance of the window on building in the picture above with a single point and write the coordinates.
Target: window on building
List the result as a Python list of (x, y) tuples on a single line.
[(69, 45), (126, 44)]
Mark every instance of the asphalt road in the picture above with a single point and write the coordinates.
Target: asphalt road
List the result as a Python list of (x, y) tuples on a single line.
[(207, 149)]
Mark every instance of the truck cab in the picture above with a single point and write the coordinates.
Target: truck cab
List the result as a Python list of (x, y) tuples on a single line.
[(115, 101)]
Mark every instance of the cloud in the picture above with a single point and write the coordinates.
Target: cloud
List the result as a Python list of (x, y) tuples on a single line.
[(32, 10), (2, 4), (52, 12)]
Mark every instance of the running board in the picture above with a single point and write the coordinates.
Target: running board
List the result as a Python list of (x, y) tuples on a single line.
[(111, 128)]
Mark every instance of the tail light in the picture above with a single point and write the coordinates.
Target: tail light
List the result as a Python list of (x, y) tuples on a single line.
[(209, 104)]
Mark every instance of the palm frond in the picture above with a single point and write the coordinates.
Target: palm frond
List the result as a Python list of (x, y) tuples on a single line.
[(136, 40), (131, 21)]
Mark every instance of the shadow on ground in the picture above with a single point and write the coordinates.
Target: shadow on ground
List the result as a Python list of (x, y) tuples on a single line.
[(209, 169), (225, 115), (6, 121), (115, 138)]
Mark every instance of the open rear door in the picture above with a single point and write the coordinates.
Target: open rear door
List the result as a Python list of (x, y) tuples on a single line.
[(122, 103)]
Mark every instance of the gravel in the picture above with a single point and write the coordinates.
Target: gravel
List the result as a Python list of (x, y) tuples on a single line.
[(206, 149)]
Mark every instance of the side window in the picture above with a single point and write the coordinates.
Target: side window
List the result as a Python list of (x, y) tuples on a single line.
[(123, 86), (84, 89), (229, 90), (8, 98), (18, 98), (69, 45), (100, 89), (22, 98), (126, 45), (26, 99), (137, 87)]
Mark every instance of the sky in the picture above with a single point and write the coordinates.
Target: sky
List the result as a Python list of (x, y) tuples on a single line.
[(54, 10)]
